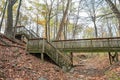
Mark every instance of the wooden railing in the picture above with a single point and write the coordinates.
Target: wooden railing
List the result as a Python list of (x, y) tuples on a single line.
[(59, 58), (28, 33), (35, 45), (92, 45)]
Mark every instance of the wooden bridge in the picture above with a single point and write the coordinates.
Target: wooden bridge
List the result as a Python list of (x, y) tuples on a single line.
[(89, 45), (55, 49)]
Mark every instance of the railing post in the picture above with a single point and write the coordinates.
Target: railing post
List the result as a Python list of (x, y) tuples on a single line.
[(108, 45), (91, 43), (91, 46), (43, 49), (57, 57), (118, 42), (62, 42)]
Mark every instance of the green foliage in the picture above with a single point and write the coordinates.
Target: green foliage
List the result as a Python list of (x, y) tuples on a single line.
[(88, 32)]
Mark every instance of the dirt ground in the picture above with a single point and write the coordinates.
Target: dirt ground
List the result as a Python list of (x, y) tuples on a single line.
[(96, 67)]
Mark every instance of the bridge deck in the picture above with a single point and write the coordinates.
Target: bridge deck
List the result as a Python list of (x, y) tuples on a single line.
[(89, 45)]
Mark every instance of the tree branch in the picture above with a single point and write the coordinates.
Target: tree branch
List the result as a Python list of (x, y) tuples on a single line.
[(13, 2)]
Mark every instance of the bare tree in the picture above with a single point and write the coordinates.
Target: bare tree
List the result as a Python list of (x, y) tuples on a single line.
[(18, 12), (17, 17), (9, 28), (3, 14), (56, 19), (109, 28), (63, 20), (115, 11), (48, 18), (77, 19), (92, 13)]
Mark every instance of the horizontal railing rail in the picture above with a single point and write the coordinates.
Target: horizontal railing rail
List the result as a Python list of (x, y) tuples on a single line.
[(86, 39)]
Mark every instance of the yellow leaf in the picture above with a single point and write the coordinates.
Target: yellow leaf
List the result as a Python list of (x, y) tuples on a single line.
[(41, 22)]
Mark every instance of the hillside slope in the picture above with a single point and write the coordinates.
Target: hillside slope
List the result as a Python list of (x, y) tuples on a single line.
[(17, 64)]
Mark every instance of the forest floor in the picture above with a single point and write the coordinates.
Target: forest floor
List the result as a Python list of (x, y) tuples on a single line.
[(17, 64)]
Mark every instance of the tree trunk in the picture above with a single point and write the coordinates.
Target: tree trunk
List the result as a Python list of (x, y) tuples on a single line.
[(109, 28), (96, 31), (56, 20), (3, 14), (17, 17), (46, 25), (77, 19), (94, 18), (48, 19), (9, 28), (18, 12), (63, 20), (115, 11), (49, 26), (119, 1)]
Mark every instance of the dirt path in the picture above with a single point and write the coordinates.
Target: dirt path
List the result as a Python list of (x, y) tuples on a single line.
[(95, 68)]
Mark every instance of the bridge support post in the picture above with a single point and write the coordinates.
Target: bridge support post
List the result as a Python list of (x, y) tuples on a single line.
[(110, 58), (117, 57), (113, 58), (42, 57), (71, 56), (43, 48)]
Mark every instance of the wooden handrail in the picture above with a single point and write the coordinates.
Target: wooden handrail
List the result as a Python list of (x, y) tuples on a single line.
[(38, 39), (30, 32), (86, 39), (19, 26), (64, 56)]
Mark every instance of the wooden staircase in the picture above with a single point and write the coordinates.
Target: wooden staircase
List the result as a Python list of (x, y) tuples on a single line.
[(59, 58), (36, 44), (30, 34), (41, 45)]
